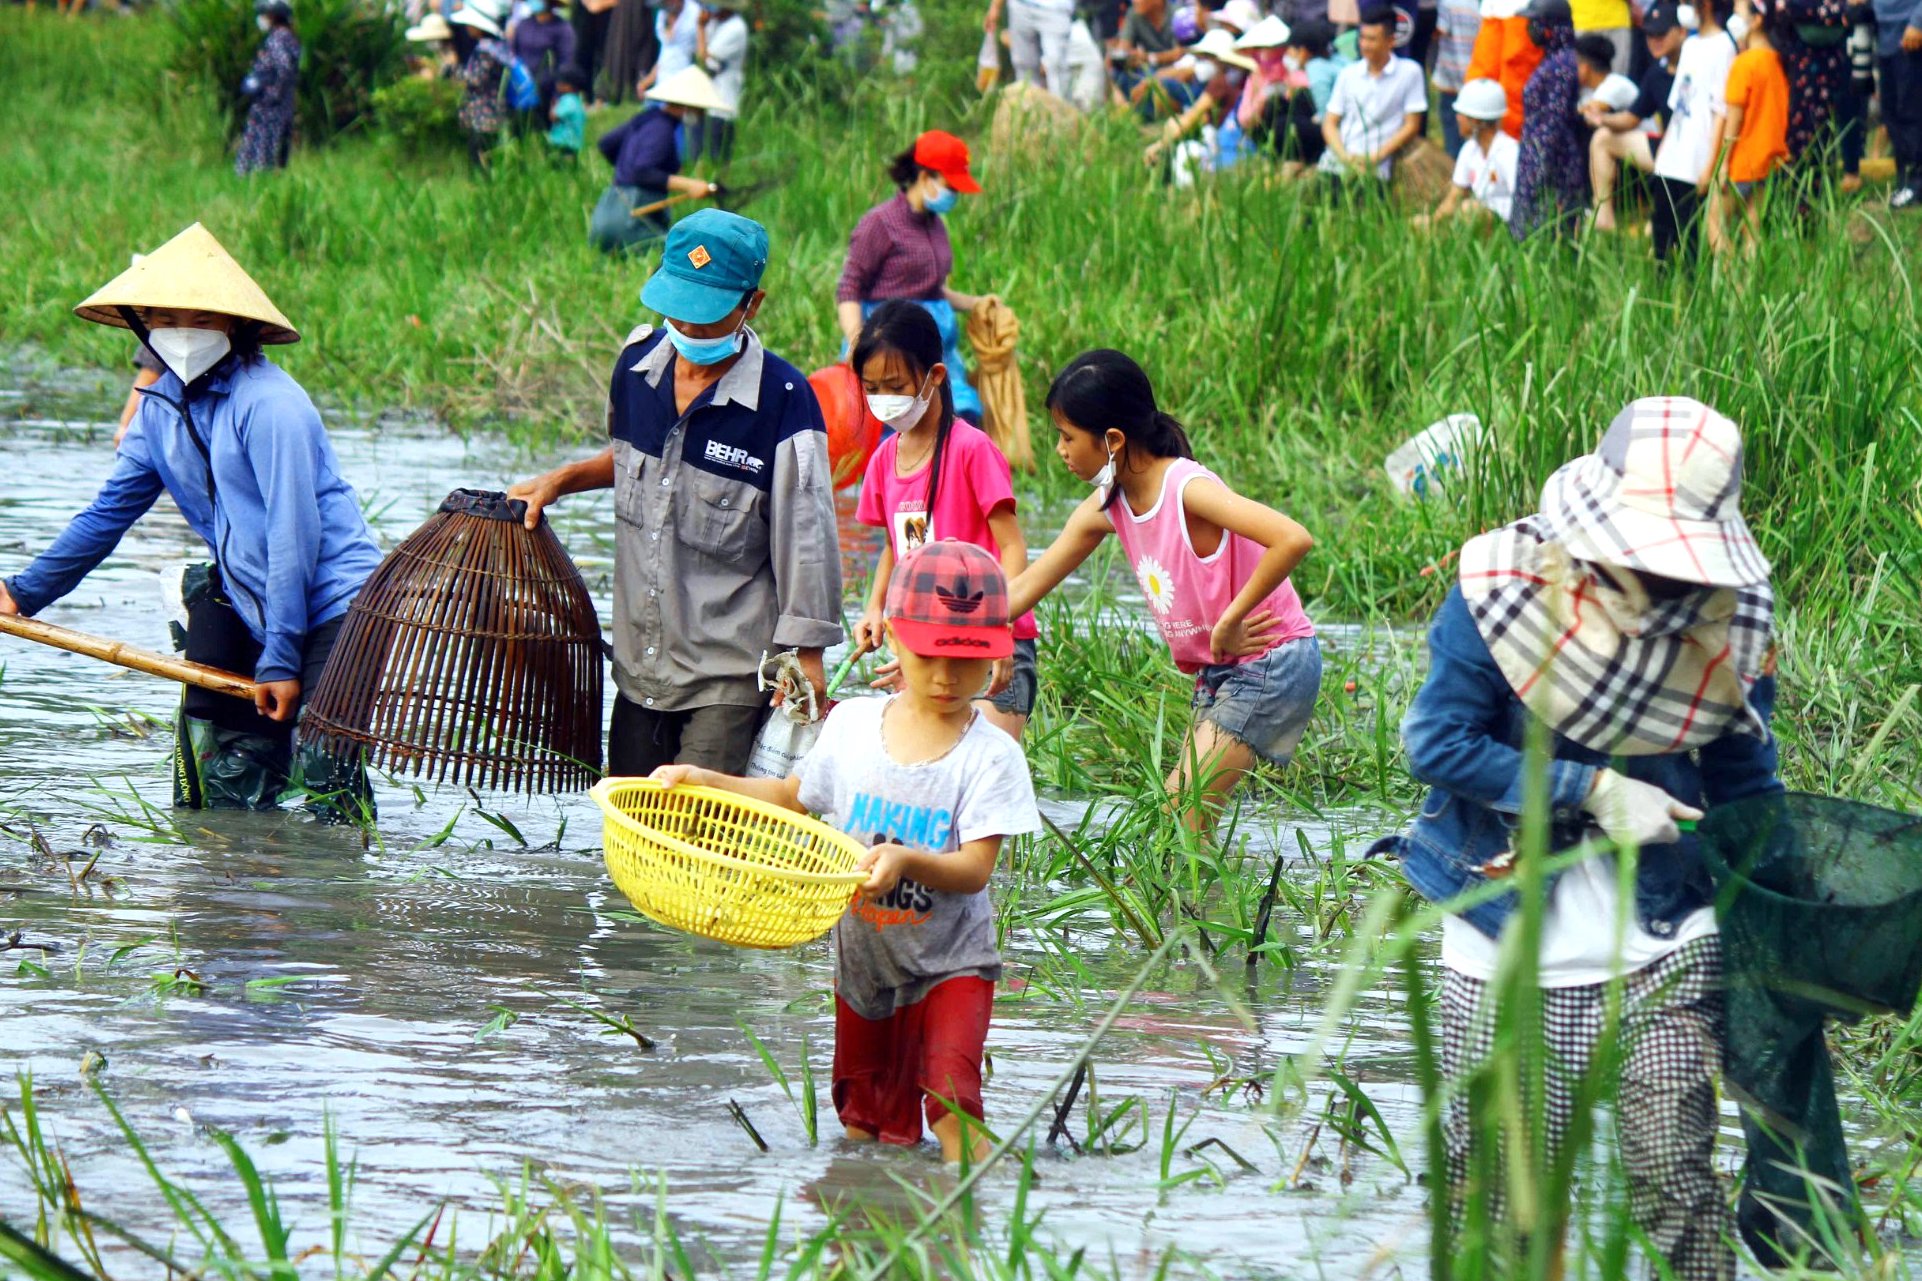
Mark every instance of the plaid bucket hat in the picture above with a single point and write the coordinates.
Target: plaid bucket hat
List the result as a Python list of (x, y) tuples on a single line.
[(949, 599), (1660, 494)]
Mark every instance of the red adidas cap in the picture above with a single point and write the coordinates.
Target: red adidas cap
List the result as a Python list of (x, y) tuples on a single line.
[(949, 599), (947, 155)]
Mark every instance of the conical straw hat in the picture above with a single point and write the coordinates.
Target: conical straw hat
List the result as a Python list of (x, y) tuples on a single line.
[(191, 272), (688, 87)]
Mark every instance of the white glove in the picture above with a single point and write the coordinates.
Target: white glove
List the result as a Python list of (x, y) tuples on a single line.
[(1636, 813)]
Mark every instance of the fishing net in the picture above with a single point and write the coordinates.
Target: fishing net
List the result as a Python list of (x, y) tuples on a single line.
[(472, 655), (1820, 903)]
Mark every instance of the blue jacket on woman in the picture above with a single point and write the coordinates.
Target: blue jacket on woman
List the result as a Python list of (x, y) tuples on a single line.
[(285, 528), (1464, 734)]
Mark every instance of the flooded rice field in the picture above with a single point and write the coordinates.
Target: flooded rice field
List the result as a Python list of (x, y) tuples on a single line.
[(428, 992)]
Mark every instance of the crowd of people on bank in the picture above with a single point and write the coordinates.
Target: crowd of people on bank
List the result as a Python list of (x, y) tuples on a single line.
[(1543, 104)]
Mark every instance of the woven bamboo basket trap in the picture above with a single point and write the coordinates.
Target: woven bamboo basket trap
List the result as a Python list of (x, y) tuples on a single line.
[(723, 866), (472, 655)]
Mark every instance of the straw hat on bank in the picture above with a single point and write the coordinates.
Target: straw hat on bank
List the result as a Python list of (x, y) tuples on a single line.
[(689, 87), (191, 272)]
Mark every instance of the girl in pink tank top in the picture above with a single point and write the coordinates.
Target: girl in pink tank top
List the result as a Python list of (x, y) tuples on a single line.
[(1213, 568)]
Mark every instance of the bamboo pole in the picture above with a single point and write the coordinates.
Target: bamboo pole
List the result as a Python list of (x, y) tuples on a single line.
[(642, 211), (125, 655)]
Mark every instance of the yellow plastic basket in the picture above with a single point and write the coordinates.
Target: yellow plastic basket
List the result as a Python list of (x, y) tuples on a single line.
[(724, 866)]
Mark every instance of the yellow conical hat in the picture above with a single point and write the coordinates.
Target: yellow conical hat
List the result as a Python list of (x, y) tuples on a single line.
[(191, 272)]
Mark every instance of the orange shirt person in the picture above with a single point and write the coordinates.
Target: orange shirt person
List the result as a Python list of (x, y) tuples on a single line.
[(1753, 140), (1504, 53)]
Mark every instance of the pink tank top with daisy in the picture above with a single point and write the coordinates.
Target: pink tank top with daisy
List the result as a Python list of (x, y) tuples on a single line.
[(1187, 593)]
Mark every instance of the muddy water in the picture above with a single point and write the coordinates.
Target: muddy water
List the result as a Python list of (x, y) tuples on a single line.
[(401, 954)]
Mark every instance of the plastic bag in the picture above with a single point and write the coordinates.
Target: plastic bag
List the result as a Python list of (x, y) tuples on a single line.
[(790, 731), (1432, 459)]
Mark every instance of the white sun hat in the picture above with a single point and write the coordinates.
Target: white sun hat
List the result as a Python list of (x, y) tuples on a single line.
[(1239, 15), (1270, 33), (1220, 46), (1482, 100), (432, 29)]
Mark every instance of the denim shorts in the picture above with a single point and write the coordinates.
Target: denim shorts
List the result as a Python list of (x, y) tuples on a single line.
[(1265, 702), (1018, 698)]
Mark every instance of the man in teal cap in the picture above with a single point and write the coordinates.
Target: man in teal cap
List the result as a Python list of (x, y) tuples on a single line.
[(725, 542)]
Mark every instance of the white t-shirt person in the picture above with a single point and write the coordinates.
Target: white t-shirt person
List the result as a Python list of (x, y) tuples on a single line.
[(1372, 107), (891, 951), (1701, 80), (1489, 176), (727, 61)]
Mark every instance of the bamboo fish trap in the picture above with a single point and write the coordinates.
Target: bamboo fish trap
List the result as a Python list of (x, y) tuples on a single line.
[(472, 655)]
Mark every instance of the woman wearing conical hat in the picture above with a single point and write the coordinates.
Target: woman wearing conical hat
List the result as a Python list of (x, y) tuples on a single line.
[(240, 449)]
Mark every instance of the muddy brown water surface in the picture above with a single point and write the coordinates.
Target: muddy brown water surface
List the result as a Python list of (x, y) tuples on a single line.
[(398, 956)]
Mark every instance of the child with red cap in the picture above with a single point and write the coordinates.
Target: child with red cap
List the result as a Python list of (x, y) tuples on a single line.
[(915, 956)]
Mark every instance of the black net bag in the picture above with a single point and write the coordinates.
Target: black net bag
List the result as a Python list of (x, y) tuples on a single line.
[(1820, 905)]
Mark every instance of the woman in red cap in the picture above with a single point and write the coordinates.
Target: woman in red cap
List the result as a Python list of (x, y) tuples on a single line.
[(900, 249)]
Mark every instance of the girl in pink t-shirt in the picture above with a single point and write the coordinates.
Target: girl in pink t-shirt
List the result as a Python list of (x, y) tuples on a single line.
[(1213, 566), (936, 477)]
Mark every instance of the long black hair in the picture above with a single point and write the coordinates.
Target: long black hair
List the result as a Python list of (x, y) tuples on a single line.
[(1104, 389), (902, 328), (905, 170)]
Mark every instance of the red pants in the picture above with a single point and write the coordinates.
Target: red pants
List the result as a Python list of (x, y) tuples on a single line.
[(922, 1058)]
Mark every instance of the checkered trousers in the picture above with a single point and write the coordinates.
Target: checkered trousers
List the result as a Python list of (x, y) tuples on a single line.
[(1665, 1102)]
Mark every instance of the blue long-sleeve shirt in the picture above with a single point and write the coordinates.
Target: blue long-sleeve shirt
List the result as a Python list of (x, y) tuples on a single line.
[(641, 149), (1465, 732), (285, 528)]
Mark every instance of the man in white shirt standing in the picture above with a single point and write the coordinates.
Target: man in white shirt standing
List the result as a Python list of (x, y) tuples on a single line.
[(720, 48), (1695, 109), (677, 25), (1038, 40), (1376, 108)]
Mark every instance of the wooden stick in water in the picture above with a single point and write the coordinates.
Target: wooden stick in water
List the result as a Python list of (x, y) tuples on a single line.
[(131, 656)]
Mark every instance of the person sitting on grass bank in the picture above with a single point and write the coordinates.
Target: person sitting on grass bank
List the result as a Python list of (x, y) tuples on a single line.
[(1631, 135), (1484, 181), (647, 164), (238, 447), (725, 545), (1630, 618), (935, 477), (1213, 567), (567, 117), (933, 789), (1377, 109)]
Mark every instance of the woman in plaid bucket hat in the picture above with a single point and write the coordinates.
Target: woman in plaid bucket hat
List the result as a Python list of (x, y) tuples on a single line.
[(1631, 615)]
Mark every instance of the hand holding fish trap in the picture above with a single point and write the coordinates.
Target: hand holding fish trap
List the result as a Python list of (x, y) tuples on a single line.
[(472, 655)]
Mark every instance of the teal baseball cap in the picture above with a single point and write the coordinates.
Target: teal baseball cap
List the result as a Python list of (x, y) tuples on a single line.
[(713, 260)]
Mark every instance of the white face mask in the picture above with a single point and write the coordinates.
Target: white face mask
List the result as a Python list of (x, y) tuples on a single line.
[(902, 412), (1204, 70), (1293, 61), (1104, 479), (189, 352), (264, 22)]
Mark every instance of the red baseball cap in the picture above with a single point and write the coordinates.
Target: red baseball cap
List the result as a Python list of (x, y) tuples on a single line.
[(947, 155), (949, 599)]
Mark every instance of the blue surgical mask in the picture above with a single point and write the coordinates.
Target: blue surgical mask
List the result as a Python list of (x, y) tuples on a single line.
[(942, 203), (704, 351)]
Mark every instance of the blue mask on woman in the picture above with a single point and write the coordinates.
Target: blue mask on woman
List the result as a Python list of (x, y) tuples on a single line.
[(703, 351), (942, 203)]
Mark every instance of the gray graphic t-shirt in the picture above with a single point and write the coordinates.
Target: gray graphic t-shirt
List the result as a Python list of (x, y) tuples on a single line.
[(890, 951)]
